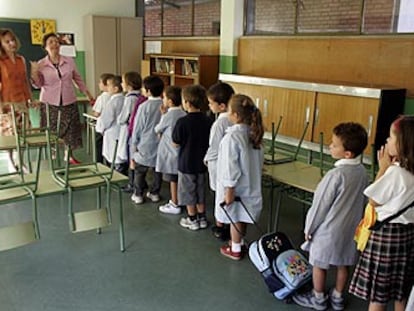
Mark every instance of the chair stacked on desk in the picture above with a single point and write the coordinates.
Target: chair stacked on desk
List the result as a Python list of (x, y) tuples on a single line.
[(15, 187)]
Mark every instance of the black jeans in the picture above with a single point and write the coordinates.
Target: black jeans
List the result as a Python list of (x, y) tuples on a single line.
[(140, 184)]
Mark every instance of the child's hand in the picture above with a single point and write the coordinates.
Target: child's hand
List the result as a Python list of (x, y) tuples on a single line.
[(163, 109), (384, 158), (132, 164), (308, 237)]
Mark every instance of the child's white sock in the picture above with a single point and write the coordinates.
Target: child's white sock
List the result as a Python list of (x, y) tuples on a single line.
[(336, 294), (235, 247), (319, 295)]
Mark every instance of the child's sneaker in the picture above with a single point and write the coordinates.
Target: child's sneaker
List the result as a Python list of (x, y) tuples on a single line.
[(170, 208), (309, 300), (337, 303), (226, 251), (153, 197), (137, 199), (203, 223), (186, 222)]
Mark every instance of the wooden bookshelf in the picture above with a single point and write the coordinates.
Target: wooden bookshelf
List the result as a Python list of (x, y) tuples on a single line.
[(185, 69)]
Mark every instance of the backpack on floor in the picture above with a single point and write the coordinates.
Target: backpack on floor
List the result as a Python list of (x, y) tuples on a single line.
[(283, 268)]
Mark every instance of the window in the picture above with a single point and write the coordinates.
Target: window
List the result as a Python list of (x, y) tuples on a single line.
[(182, 17), (329, 16)]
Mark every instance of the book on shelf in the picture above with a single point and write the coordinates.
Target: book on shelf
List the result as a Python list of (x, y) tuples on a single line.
[(190, 67), (164, 65)]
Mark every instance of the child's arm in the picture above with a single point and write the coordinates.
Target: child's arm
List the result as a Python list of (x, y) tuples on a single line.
[(162, 125), (384, 162), (177, 134), (106, 119), (323, 199), (229, 195), (126, 111)]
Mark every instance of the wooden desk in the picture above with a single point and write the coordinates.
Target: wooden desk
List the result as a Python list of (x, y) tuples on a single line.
[(298, 180)]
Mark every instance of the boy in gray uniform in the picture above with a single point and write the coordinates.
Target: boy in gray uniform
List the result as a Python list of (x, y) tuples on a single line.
[(144, 142), (336, 210)]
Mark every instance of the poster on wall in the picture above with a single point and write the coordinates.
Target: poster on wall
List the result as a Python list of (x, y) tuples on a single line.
[(67, 43)]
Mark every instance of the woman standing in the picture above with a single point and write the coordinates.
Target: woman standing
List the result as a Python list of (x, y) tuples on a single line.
[(14, 86), (55, 75)]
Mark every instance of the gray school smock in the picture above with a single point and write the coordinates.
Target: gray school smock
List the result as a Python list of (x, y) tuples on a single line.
[(239, 166), (123, 121), (217, 132), (144, 141), (167, 154), (107, 125), (337, 208)]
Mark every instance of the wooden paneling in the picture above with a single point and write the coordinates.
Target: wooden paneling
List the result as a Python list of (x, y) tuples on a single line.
[(193, 45), (362, 61), (333, 109)]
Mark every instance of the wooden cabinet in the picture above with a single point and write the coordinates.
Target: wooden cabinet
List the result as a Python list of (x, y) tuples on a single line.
[(112, 45), (185, 69), (322, 105)]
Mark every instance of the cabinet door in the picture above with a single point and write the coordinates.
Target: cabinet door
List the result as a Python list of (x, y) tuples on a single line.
[(332, 109), (261, 96), (296, 108), (100, 48), (129, 44)]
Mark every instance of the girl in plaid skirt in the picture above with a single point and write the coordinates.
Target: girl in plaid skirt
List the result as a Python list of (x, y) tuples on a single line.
[(385, 271)]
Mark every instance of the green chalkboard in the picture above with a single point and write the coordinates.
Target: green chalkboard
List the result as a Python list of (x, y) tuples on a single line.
[(21, 27)]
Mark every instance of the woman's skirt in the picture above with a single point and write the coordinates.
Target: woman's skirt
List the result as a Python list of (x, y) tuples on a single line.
[(70, 129), (385, 270), (6, 119)]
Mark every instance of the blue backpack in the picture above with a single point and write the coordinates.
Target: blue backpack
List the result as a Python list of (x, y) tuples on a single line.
[(283, 268)]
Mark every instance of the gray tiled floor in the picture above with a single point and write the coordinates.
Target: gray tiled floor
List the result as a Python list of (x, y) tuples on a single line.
[(165, 266)]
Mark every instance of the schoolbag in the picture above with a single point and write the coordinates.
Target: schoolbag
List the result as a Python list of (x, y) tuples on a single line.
[(283, 268)]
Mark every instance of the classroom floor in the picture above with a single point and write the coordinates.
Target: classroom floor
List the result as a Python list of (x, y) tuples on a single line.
[(165, 267)]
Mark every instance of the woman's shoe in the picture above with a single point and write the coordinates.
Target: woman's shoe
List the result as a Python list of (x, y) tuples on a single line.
[(73, 161)]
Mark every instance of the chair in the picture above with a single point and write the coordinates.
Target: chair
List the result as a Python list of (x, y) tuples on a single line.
[(36, 137), (81, 177), (16, 187)]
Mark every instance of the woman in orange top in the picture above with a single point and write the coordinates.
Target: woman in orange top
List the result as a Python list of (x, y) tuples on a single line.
[(14, 85)]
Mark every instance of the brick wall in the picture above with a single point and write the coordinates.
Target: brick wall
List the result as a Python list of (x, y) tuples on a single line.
[(177, 21), (278, 16)]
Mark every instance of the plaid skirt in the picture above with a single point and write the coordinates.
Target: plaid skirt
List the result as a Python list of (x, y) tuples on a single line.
[(70, 127), (385, 270)]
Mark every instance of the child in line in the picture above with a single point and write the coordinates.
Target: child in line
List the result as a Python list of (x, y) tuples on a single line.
[(336, 210), (131, 84), (191, 134), (129, 188), (218, 96), (167, 156), (385, 270), (100, 103), (106, 123), (239, 172), (104, 96), (144, 142)]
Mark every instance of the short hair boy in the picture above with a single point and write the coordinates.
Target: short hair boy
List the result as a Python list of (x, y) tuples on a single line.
[(218, 95), (144, 142), (336, 210), (191, 133)]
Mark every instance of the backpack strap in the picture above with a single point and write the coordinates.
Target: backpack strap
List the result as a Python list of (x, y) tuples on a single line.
[(379, 224)]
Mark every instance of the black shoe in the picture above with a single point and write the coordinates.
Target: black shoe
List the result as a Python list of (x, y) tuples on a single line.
[(127, 188), (222, 232)]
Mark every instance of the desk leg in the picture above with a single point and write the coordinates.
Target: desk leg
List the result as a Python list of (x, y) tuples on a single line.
[(121, 219), (277, 210), (270, 221)]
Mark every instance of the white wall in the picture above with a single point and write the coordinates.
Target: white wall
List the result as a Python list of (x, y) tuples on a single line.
[(67, 13)]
